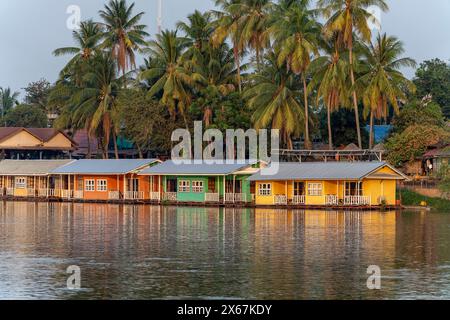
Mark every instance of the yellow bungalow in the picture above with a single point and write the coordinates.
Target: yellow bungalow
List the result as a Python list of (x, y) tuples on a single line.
[(328, 184), (28, 178)]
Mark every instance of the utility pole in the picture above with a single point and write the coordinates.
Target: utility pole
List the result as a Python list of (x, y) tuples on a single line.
[(159, 19)]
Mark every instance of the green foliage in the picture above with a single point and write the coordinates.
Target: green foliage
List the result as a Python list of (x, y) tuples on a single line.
[(411, 198), (411, 143), (417, 112), (433, 77), (444, 180), (36, 93), (7, 99), (26, 116)]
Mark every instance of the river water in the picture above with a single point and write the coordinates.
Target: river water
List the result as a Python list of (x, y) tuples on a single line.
[(153, 252)]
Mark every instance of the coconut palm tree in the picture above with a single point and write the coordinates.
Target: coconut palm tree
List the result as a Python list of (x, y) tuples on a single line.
[(8, 99), (228, 24), (349, 17), (167, 73), (123, 35), (381, 82), (274, 96), (330, 80), (296, 34), (86, 39)]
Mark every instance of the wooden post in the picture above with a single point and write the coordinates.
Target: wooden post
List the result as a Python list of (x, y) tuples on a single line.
[(224, 190), (234, 187)]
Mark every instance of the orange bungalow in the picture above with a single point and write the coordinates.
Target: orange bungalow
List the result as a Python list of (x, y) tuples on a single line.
[(102, 180)]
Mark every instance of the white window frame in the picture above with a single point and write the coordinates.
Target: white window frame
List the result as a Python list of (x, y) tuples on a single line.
[(89, 185), (197, 186), (184, 186), (20, 183), (102, 185), (265, 189), (315, 189)]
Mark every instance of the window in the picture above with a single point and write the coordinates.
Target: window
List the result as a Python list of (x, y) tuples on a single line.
[(299, 188), (353, 189), (21, 183), (89, 185), (314, 189), (265, 189), (102, 185), (197, 186), (183, 186)]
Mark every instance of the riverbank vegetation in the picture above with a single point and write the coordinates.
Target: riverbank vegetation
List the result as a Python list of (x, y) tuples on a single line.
[(315, 71), (411, 198)]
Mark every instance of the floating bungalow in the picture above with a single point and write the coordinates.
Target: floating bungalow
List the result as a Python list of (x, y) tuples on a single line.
[(29, 178), (102, 180), (326, 184), (199, 183)]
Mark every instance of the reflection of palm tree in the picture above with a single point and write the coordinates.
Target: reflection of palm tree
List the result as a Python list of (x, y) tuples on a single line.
[(274, 97), (7, 99), (381, 82), (296, 33), (347, 17)]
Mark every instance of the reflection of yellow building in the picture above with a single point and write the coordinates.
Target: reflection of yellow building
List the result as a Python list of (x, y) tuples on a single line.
[(328, 184)]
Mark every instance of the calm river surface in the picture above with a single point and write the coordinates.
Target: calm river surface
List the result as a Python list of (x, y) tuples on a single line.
[(147, 252)]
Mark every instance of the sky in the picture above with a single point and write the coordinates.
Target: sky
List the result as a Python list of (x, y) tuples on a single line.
[(31, 29)]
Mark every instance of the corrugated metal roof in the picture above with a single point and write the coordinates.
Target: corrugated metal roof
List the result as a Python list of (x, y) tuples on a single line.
[(171, 168), (30, 167), (320, 171), (111, 166)]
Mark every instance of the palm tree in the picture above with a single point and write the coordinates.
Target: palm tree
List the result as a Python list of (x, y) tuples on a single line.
[(7, 99), (123, 34), (348, 17), (330, 80), (381, 82), (167, 73), (229, 25), (296, 34), (274, 97), (86, 39)]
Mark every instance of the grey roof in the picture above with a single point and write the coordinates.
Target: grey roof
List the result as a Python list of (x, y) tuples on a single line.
[(320, 171), (172, 168), (30, 167), (107, 167)]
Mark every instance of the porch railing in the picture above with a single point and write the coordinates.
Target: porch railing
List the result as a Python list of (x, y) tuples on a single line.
[(212, 197), (67, 194), (78, 194), (170, 196), (113, 195), (357, 200), (331, 200), (31, 192), (280, 199), (300, 199), (9, 191), (134, 195), (155, 195), (235, 197)]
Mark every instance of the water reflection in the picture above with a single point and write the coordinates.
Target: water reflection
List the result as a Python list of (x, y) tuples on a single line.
[(185, 252)]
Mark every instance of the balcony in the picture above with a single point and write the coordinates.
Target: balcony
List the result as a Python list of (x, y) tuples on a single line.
[(301, 199), (280, 199), (212, 197), (357, 201)]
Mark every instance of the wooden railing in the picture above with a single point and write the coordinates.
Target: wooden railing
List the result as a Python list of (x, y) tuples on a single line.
[(31, 192), (67, 194), (9, 191), (155, 195), (280, 199), (235, 197), (357, 200), (331, 200), (134, 195), (300, 199), (212, 197), (170, 196), (114, 195), (78, 194)]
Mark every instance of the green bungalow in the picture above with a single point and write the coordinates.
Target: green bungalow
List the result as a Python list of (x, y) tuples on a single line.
[(201, 183)]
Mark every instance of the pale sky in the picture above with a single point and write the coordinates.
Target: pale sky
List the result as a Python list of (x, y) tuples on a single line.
[(31, 29)]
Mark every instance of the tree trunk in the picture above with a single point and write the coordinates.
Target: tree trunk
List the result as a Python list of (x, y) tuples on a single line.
[(116, 150), (141, 155), (308, 145), (371, 135), (355, 99), (330, 135)]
